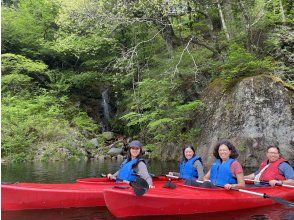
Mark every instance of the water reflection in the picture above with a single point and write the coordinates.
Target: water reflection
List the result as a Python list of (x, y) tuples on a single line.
[(274, 212), (69, 171)]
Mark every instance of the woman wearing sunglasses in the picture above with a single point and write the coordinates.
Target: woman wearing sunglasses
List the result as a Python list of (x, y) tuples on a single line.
[(133, 166)]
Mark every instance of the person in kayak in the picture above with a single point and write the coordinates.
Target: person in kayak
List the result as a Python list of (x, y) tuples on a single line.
[(274, 169), (191, 166), (133, 166), (225, 171)]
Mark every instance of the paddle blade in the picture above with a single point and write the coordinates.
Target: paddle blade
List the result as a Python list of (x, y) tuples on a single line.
[(140, 186), (169, 184), (192, 182), (280, 201), (141, 182)]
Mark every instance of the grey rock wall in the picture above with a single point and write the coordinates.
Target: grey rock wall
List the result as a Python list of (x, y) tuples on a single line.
[(255, 113)]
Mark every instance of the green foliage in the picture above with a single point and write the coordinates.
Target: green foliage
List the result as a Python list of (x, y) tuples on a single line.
[(84, 123), (16, 83), (27, 26), (142, 50), (154, 93), (21, 74), (163, 115), (18, 64), (186, 108), (159, 108), (84, 50), (240, 63), (28, 122), (150, 147), (86, 79), (59, 81), (83, 40)]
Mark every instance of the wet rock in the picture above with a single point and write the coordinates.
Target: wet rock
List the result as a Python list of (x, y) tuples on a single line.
[(108, 135), (107, 157), (101, 157), (65, 152), (120, 157), (95, 143), (114, 151)]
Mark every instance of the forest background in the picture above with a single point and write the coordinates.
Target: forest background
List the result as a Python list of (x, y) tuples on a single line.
[(154, 59)]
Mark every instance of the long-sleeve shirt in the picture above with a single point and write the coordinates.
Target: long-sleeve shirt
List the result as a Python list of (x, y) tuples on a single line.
[(199, 167), (142, 171)]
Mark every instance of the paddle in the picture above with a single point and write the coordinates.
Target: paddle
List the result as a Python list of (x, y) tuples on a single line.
[(103, 175), (169, 183), (140, 186), (264, 195), (266, 182)]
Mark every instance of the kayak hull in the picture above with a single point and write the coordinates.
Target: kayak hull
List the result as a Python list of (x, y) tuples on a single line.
[(87, 192), (187, 200), (47, 196)]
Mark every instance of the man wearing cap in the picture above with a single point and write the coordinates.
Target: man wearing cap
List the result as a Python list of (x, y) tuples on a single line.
[(133, 166)]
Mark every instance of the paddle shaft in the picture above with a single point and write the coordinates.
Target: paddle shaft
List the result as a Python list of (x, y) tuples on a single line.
[(114, 178), (242, 190), (172, 176), (258, 181), (264, 195)]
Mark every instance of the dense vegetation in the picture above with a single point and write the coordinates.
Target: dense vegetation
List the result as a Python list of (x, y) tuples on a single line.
[(156, 57)]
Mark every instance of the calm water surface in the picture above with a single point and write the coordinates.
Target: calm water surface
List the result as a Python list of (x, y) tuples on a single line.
[(58, 172)]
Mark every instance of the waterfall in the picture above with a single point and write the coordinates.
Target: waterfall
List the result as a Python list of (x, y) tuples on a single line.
[(106, 110)]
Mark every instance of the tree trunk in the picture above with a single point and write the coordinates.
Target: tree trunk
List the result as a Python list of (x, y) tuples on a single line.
[(247, 24), (282, 11), (167, 32), (190, 17), (223, 20), (208, 21), (228, 11)]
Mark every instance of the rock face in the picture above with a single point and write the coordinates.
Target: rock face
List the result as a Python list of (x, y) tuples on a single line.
[(255, 113)]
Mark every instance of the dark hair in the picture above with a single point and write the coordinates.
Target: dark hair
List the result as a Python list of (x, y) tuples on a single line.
[(234, 153), (129, 156), (273, 147), (185, 147)]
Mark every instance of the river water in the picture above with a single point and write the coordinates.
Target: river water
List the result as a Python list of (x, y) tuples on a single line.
[(60, 172)]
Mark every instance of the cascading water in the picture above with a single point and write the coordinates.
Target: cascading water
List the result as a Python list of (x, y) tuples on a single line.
[(106, 110)]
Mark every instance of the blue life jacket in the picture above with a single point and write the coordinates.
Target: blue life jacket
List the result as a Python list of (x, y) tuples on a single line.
[(187, 171), (220, 173), (126, 171)]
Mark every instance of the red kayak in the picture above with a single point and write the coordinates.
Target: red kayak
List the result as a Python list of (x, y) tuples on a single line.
[(86, 192), (185, 200)]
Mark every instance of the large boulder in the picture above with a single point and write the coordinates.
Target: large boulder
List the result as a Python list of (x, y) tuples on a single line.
[(114, 151), (255, 113), (95, 142), (108, 135)]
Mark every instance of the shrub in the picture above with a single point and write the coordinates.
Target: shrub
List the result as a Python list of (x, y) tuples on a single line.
[(18, 64), (240, 63)]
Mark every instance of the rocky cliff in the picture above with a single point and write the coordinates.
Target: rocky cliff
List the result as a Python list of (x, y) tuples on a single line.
[(255, 113)]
